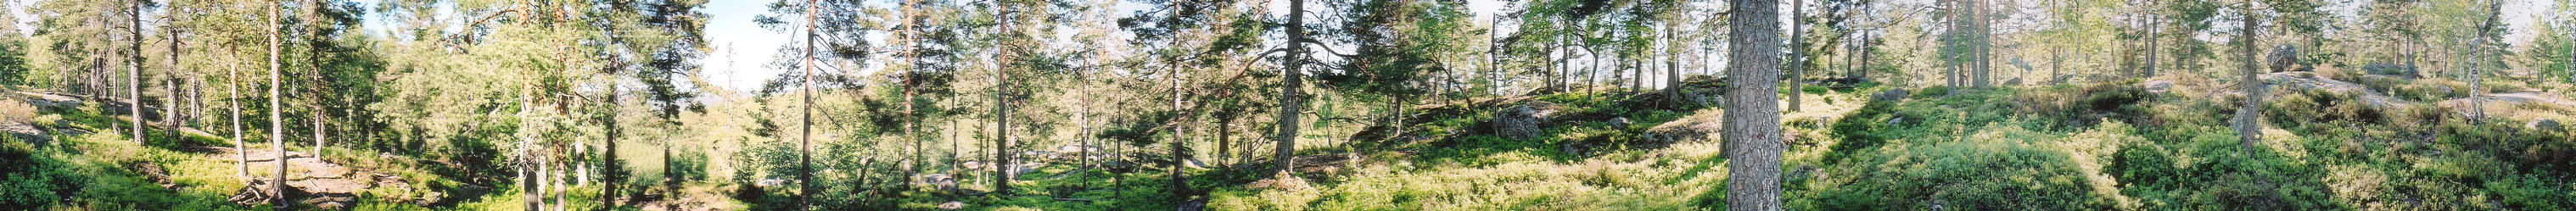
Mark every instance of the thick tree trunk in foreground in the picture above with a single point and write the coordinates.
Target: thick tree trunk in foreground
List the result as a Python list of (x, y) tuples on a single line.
[(1752, 131)]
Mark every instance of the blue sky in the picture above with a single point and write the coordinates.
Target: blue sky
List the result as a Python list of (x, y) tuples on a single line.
[(741, 46)]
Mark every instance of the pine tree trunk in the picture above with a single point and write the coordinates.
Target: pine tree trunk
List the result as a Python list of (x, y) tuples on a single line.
[(612, 168), (232, 80), (1752, 124), (805, 138), (911, 81), (170, 86), (1001, 111), (1636, 74), (1985, 46), (1493, 53), (2246, 122), (956, 149), (2056, 65), (1292, 101), (2153, 27), (1797, 53), (276, 116), (1592, 71), (1224, 141), (317, 118), (1001, 131), (670, 176), (1672, 67), (1179, 185), (134, 70)]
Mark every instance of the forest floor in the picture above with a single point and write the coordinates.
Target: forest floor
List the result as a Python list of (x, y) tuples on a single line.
[(2329, 141), (194, 170)]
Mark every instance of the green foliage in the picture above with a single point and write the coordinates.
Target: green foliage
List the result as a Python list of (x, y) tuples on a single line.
[(1874, 124), (29, 181), (2004, 168), (2321, 108)]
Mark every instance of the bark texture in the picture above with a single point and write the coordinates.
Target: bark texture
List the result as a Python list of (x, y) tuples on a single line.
[(1753, 120)]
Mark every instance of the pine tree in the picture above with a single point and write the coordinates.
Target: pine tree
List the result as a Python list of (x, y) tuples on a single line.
[(805, 136), (276, 117)]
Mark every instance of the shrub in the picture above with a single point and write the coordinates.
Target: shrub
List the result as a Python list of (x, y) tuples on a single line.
[(1864, 129), (2000, 169), (2532, 193), (13, 110), (28, 182), (2430, 90), (48, 121)]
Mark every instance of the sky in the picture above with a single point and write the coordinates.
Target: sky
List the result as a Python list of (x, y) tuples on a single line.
[(741, 46)]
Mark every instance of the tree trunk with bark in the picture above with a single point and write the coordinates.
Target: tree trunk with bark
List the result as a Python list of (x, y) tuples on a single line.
[(1292, 101), (1752, 123), (1672, 66), (805, 138), (2477, 50), (2247, 124), (134, 70), (1797, 53), (276, 116), (170, 83), (1179, 185), (232, 79), (1001, 110)]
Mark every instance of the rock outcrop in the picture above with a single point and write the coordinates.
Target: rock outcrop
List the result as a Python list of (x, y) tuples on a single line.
[(1524, 121)]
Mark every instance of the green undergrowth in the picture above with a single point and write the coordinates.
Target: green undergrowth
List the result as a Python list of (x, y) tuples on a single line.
[(2098, 147), (91, 166), (2114, 146), (1582, 161)]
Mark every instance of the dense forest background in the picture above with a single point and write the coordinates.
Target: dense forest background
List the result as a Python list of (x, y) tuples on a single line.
[(1292, 105)]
